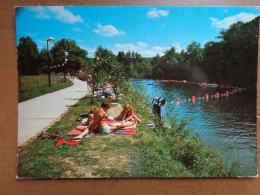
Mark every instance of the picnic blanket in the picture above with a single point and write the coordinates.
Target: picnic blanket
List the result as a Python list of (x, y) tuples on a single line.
[(126, 130), (78, 130)]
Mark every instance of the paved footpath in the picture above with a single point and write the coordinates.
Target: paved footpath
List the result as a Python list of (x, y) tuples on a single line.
[(36, 114)]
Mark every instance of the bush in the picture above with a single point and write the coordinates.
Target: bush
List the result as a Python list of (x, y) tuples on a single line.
[(82, 76)]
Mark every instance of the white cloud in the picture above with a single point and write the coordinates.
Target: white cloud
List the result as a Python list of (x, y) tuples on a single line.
[(154, 13), (163, 12), (91, 51), (226, 22), (139, 47), (65, 15), (108, 30), (40, 12), (141, 44), (177, 47), (57, 12)]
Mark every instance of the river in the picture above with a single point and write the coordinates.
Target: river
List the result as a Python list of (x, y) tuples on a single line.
[(225, 124)]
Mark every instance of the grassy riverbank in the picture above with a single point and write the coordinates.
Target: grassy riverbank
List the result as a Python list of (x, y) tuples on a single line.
[(163, 151)]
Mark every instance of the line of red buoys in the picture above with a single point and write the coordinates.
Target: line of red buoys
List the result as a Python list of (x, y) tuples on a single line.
[(202, 84)]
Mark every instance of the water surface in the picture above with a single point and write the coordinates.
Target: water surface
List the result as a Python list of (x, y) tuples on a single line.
[(225, 124)]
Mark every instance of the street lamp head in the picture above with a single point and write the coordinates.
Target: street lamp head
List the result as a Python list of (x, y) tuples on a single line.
[(51, 40)]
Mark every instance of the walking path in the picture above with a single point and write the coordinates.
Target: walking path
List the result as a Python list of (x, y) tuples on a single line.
[(36, 114)]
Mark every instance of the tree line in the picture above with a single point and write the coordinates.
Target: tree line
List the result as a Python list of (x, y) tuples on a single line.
[(32, 62), (230, 61)]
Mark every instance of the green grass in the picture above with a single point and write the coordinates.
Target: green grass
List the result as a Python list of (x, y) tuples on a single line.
[(167, 151), (34, 86)]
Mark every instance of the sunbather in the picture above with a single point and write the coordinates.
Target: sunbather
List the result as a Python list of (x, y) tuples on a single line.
[(99, 125), (128, 114), (89, 80)]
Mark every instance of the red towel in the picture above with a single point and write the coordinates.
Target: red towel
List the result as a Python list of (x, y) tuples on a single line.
[(78, 130)]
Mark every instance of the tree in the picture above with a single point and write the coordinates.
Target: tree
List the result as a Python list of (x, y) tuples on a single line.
[(233, 60), (170, 56), (27, 53), (102, 64), (76, 56), (43, 61), (116, 76), (194, 54)]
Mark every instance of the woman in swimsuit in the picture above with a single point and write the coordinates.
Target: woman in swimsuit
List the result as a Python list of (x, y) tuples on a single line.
[(128, 114)]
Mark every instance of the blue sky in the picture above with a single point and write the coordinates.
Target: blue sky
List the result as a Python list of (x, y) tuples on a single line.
[(147, 30)]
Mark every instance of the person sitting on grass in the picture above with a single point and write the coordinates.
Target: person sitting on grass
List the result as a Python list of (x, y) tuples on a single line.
[(90, 116), (127, 114), (99, 125)]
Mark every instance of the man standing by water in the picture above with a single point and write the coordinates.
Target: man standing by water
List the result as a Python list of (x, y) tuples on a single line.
[(89, 80)]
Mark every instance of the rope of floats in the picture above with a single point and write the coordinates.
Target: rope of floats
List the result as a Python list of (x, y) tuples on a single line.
[(205, 97)]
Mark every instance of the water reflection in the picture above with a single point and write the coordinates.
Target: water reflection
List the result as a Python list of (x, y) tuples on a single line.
[(226, 124)]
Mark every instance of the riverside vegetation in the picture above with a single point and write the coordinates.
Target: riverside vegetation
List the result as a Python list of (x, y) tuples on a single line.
[(167, 150)]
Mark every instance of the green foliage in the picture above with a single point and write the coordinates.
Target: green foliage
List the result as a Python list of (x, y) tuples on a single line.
[(76, 56), (27, 53), (43, 61), (233, 60), (134, 65), (82, 76), (194, 54)]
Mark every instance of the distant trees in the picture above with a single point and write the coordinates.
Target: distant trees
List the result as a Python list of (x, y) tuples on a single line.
[(31, 61), (134, 65), (27, 54), (233, 60)]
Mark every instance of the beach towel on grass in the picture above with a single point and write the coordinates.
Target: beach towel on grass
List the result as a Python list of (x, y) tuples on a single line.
[(78, 130), (126, 130)]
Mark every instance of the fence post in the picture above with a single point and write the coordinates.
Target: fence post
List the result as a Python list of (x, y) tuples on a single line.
[(38, 81), (19, 80)]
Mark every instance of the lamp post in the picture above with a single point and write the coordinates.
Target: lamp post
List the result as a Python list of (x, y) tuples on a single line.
[(51, 40), (66, 55)]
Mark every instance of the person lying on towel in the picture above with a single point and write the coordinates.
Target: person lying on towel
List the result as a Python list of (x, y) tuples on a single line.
[(127, 114), (99, 125)]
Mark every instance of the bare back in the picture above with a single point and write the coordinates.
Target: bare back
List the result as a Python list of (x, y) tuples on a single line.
[(98, 120)]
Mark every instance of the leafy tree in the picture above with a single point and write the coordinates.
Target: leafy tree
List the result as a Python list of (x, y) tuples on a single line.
[(27, 53), (181, 57), (194, 54), (101, 67), (76, 56), (170, 56), (233, 60), (131, 63), (116, 76), (43, 61)]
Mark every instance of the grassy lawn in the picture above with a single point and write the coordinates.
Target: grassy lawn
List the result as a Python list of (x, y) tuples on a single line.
[(34, 86), (164, 151)]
